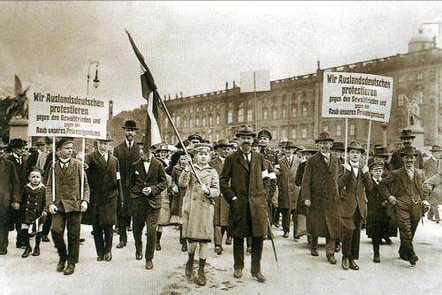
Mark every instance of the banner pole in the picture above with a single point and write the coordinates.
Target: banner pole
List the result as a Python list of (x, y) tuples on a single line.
[(53, 169), (346, 140), (83, 148), (368, 142)]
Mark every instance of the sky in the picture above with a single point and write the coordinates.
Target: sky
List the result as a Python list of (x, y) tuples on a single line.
[(193, 47)]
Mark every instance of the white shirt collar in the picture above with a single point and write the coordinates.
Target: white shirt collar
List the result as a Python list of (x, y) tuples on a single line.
[(326, 155), (129, 144)]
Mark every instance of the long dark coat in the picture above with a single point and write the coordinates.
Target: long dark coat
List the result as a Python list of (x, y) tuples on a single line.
[(248, 213), (320, 186), (103, 185), (33, 203), (21, 169), (9, 191), (126, 158), (353, 193), (221, 217), (287, 189), (300, 207)]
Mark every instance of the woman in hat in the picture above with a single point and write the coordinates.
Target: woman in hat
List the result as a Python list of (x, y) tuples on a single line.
[(198, 208)]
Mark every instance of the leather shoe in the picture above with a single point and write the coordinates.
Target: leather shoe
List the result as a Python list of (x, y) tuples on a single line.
[(108, 256), (228, 241), (337, 248), (184, 247), (45, 238), (376, 258), (27, 252), (4, 252), (81, 240), (100, 258), (388, 241), (60, 266), (138, 256), (149, 264), (121, 245), (345, 263), (237, 273), (353, 265), (285, 235), (259, 276), (249, 250), (36, 251), (69, 269), (314, 252), (413, 259), (331, 258), (218, 250)]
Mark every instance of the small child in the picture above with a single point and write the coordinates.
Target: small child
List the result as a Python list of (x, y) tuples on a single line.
[(198, 208), (33, 215)]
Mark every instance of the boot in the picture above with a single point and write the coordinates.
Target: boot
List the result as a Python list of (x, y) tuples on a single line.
[(184, 246), (158, 245), (28, 248), (189, 265), (201, 280), (37, 245)]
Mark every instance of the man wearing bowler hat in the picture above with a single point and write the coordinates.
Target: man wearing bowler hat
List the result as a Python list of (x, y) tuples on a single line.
[(354, 180), (127, 153), (320, 193), (407, 139), (19, 160), (403, 189), (243, 186), (431, 168)]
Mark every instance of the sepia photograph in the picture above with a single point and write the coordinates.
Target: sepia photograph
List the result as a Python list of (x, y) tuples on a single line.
[(220, 147)]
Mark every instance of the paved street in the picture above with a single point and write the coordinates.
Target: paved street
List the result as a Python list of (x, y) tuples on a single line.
[(298, 272)]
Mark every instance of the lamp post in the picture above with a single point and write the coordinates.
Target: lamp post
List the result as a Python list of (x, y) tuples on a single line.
[(95, 81)]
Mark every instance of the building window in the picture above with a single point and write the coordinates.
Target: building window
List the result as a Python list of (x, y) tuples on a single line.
[(352, 129), (304, 132), (218, 119), (304, 111), (197, 121), (294, 110), (190, 122), (229, 117), (411, 76), (419, 97), (210, 120), (420, 76), (249, 115), (217, 135), (293, 133), (274, 113), (284, 112), (338, 130), (204, 121), (178, 121), (241, 113), (401, 79), (400, 100), (284, 133), (325, 128), (265, 114)]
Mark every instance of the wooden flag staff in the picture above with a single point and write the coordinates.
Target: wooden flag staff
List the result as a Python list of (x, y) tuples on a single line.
[(53, 169), (346, 140), (367, 154)]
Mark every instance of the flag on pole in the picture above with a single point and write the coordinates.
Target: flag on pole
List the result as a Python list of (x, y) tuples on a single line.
[(149, 92)]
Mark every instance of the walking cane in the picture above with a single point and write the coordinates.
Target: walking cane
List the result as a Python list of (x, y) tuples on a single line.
[(271, 239)]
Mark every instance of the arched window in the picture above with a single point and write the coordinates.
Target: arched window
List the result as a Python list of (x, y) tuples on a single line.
[(249, 115), (204, 121), (178, 121), (218, 119), (284, 112), (230, 117), (210, 120), (197, 121), (274, 113), (265, 114), (190, 122), (294, 110), (241, 113)]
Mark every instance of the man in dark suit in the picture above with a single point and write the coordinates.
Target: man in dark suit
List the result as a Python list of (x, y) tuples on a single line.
[(127, 153), (147, 181), (221, 216), (242, 185), (407, 139), (353, 181), (403, 188), (67, 204), (320, 193), (19, 160), (103, 174)]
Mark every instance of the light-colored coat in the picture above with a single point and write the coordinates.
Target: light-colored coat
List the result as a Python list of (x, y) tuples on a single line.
[(198, 208), (287, 190)]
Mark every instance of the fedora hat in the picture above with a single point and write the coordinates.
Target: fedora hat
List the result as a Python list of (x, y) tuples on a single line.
[(324, 136), (246, 130), (130, 124), (290, 145), (40, 142), (222, 143), (265, 133), (409, 151), (381, 151), (195, 137), (355, 145), (406, 133), (436, 148), (309, 149), (17, 143), (63, 141), (338, 146)]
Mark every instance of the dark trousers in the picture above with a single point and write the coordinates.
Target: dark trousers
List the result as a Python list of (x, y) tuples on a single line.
[(72, 222), (149, 217), (4, 240), (238, 253), (329, 244), (407, 217), (286, 216), (351, 236), (47, 225), (102, 239), (376, 241), (123, 224)]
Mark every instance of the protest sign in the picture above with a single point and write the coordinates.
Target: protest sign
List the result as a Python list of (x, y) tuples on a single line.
[(67, 115), (357, 95)]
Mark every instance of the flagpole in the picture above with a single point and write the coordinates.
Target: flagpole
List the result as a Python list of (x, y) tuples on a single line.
[(368, 142), (346, 140), (53, 170), (83, 150), (177, 134)]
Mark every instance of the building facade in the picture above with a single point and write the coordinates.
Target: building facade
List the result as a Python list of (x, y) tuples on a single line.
[(292, 108)]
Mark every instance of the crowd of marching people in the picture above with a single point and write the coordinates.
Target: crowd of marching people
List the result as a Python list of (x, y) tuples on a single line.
[(231, 192)]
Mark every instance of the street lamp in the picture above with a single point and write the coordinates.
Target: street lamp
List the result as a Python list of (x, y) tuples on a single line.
[(96, 82)]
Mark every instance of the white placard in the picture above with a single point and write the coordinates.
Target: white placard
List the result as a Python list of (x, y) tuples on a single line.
[(357, 95), (255, 81), (67, 115)]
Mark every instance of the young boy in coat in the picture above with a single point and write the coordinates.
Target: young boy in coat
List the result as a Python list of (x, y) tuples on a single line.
[(66, 206)]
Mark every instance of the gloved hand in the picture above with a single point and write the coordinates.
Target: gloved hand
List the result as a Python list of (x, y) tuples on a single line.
[(15, 206), (53, 209), (392, 200), (347, 166), (146, 191), (83, 206), (205, 189), (365, 169), (426, 206), (308, 203)]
